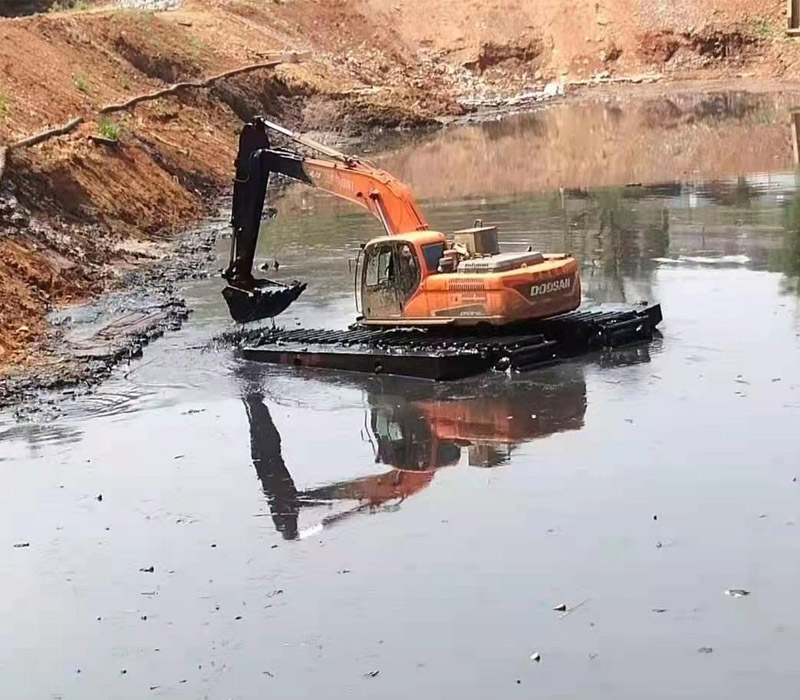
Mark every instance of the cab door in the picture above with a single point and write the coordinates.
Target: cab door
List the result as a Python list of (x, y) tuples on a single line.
[(390, 278), (379, 292)]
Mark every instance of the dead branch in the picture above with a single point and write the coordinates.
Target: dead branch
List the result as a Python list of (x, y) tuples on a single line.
[(208, 82), (45, 135), (70, 126)]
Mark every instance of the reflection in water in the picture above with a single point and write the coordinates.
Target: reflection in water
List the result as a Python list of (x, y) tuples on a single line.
[(416, 428), (277, 482), (429, 431)]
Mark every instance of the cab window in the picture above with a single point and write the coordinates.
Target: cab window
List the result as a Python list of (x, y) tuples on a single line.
[(379, 267), (408, 275), (433, 253)]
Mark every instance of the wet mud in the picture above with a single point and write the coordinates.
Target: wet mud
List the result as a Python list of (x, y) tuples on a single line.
[(86, 342)]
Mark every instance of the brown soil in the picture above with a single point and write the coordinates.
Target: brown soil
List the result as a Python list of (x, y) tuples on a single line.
[(88, 211)]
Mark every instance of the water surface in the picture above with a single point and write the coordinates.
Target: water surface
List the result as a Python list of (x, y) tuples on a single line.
[(330, 535)]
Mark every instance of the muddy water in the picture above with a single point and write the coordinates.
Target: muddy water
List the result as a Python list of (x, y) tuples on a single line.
[(325, 535)]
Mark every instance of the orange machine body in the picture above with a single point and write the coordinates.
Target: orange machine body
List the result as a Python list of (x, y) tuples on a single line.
[(545, 288)]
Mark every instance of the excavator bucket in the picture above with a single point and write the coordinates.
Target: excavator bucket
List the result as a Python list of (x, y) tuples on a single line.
[(265, 300)]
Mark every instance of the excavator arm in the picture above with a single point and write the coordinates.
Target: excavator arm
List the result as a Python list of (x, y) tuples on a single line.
[(344, 176), (350, 178)]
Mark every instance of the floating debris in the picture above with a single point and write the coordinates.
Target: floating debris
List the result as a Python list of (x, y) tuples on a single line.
[(659, 610), (20, 545), (705, 650), (147, 570), (561, 608), (371, 674), (736, 592), (571, 610), (536, 656)]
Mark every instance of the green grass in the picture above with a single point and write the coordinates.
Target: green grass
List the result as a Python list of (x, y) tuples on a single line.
[(82, 85), (763, 28), (109, 129)]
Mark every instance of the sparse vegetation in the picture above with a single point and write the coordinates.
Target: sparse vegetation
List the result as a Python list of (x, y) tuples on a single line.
[(763, 28), (108, 129), (197, 45), (5, 105), (69, 6), (82, 85)]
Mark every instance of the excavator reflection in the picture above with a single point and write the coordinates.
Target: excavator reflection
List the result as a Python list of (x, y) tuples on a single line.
[(416, 428)]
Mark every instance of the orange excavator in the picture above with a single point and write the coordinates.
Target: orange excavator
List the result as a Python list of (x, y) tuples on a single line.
[(411, 276)]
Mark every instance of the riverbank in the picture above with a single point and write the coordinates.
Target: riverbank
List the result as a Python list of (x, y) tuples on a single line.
[(79, 217)]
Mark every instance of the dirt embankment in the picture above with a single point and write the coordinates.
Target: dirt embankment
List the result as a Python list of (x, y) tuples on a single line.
[(76, 214)]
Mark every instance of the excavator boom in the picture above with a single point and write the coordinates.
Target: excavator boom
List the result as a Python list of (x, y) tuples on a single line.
[(375, 190)]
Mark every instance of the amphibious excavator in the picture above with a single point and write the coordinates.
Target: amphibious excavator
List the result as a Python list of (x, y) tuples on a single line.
[(411, 276)]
